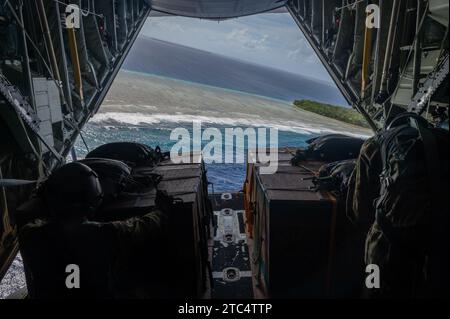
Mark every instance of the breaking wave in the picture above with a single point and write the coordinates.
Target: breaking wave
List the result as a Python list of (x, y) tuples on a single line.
[(110, 119)]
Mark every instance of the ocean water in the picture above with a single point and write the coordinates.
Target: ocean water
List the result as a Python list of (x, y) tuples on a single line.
[(179, 62), (224, 177), (146, 109)]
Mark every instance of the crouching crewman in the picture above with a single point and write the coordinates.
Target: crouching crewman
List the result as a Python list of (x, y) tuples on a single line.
[(67, 255)]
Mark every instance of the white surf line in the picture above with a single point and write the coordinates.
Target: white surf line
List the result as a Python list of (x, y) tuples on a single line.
[(146, 119)]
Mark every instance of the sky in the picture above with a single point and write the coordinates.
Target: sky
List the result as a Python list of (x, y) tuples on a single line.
[(270, 39)]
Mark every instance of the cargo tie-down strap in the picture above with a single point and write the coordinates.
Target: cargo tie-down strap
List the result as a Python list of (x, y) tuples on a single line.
[(432, 83)]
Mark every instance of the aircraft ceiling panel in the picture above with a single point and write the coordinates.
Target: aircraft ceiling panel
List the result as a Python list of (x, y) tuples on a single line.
[(215, 9)]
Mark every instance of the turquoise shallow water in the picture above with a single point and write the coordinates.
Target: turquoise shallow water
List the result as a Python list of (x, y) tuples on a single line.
[(225, 177)]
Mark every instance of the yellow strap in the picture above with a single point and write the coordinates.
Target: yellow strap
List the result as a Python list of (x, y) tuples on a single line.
[(366, 60), (75, 62)]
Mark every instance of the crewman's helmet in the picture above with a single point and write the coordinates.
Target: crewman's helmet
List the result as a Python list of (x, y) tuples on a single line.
[(73, 190)]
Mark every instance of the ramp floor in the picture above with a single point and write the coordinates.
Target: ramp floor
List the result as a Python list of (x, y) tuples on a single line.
[(232, 275)]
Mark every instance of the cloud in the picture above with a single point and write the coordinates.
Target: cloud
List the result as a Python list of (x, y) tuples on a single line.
[(247, 39), (301, 52), (166, 25), (293, 53)]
